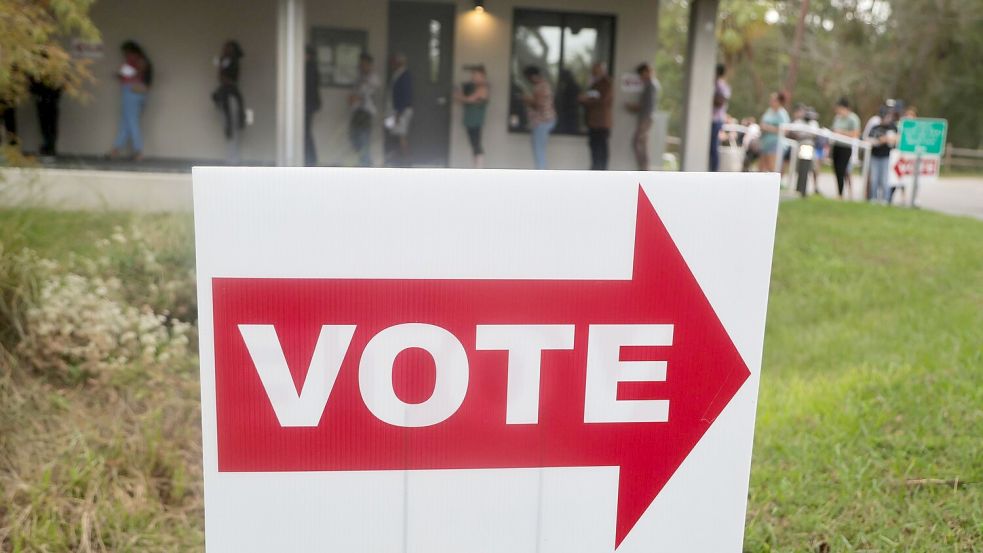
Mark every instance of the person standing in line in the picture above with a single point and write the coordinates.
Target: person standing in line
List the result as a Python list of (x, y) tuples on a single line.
[(883, 138), (361, 101), (774, 117), (721, 96), (846, 123), (312, 103), (541, 114), (566, 103), (228, 98), (46, 98), (644, 109), (135, 75), (597, 102), (398, 124), (473, 96)]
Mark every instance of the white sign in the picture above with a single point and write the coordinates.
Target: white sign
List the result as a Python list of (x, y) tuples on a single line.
[(631, 83), (450, 361), (901, 168)]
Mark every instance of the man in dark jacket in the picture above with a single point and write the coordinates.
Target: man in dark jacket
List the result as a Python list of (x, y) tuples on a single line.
[(597, 101), (398, 122)]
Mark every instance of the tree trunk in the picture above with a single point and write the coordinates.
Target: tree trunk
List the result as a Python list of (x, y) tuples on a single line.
[(795, 54)]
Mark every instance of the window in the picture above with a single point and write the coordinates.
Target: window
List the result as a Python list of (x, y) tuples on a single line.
[(563, 46), (337, 52)]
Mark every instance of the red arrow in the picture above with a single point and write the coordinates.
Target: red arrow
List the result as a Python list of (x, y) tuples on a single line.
[(704, 371)]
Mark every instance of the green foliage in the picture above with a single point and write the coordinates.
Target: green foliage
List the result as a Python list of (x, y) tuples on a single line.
[(868, 422), (32, 45), (921, 51), (867, 436)]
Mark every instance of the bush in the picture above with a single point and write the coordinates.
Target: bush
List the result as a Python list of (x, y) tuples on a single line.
[(89, 317)]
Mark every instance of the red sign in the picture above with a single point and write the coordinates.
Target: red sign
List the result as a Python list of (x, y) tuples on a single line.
[(905, 166), (390, 374)]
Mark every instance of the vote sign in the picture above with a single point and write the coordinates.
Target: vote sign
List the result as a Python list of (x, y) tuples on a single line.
[(434, 360)]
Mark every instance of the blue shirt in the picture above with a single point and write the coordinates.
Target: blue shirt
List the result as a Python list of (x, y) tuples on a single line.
[(769, 140)]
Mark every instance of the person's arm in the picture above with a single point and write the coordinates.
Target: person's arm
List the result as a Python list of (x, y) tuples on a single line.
[(587, 99), (479, 95), (607, 94)]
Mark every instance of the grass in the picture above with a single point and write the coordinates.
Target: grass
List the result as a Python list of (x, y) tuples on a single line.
[(869, 433), (872, 382)]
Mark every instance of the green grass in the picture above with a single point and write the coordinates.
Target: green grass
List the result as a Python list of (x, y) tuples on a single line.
[(872, 380), (872, 383), (56, 234)]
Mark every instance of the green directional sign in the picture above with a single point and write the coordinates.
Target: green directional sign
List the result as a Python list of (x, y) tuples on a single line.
[(922, 135)]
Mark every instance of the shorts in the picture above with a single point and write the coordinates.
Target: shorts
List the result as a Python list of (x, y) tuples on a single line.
[(474, 137)]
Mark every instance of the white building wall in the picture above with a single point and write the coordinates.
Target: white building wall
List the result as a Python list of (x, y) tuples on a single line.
[(183, 36)]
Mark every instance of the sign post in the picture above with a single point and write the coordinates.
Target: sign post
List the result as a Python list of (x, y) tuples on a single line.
[(493, 361), (920, 138)]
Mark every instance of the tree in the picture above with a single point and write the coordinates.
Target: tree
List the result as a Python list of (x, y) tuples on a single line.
[(32, 45)]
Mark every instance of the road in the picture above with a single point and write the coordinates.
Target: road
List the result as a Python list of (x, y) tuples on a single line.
[(171, 191), (952, 195)]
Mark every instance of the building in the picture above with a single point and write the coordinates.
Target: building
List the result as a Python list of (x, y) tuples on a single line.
[(183, 38)]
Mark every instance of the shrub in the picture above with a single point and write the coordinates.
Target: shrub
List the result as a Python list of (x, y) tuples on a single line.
[(82, 327)]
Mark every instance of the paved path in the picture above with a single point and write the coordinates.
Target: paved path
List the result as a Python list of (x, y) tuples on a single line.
[(952, 195), (171, 191)]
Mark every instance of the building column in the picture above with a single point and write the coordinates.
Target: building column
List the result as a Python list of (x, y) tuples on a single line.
[(290, 83), (701, 57)]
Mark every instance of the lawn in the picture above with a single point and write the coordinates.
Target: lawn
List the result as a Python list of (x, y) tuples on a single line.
[(870, 423)]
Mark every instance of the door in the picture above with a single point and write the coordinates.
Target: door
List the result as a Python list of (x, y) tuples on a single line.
[(424, 33)]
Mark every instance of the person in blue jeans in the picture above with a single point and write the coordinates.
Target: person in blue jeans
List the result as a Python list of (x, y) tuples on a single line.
[(541, 114), (134, 76), (883, 138)]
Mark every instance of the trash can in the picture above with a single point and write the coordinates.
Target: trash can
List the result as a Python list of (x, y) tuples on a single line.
[(731, 158)]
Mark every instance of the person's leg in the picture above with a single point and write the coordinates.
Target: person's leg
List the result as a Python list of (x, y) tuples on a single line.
[(404, 151), (605, 148), (44, 125), (714, 145), (878, 168), (310, 150), (9, 121), (641, 143), (365, 149), (133, 122), (766, 162), (594, 144), (841, 157), (232, 139), (123, 129), (477, 153), (538, 135)]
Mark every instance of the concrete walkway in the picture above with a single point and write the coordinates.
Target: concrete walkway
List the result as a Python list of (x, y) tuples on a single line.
[(951, 195), (72, 189)]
